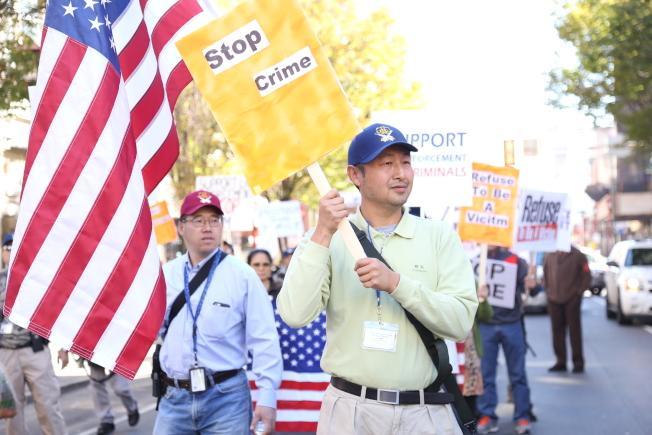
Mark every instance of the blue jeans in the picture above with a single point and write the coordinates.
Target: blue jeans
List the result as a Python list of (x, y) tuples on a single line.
[(510, 336), (222, 409)]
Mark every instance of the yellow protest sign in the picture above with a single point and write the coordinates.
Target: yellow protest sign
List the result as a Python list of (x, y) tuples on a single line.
[(164, 228), (270, 87), (491, 217)]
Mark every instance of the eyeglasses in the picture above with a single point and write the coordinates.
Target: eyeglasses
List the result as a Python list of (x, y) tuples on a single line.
[(261, 264), (199, 222)]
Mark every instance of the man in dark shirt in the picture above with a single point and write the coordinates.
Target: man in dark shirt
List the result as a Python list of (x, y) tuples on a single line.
[(566, 275), (505, 329)]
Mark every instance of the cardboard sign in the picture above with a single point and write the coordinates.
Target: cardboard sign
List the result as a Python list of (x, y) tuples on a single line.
[(164, 228), (491, 218), (541, 221), (270, 87), (282, 218), (501, 280)]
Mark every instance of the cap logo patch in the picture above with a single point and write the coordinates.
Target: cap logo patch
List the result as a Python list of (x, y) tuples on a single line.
[(204, 197), (385, 133)]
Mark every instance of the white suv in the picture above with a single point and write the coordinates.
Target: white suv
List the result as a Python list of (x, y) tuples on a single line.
[(629, 281)]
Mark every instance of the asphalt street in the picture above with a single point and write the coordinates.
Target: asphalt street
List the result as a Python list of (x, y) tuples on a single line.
[(612, 397)]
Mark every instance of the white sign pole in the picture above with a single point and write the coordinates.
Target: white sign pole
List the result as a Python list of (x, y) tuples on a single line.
[(323, 186)]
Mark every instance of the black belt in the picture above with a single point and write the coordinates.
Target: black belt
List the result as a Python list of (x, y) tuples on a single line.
[(217, 378), (393, 397)]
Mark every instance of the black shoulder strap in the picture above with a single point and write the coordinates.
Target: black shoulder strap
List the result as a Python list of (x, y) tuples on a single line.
[(435, 346), (193, 285)]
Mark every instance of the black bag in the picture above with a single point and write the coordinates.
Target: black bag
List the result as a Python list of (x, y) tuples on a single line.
[(437, 350), (158, 376)]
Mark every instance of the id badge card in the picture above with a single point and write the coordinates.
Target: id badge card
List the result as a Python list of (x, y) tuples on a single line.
[(6, 327), (197, 380), (380, 336)]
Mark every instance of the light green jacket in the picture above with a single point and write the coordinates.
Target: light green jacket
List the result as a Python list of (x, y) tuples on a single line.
[(436, 285)]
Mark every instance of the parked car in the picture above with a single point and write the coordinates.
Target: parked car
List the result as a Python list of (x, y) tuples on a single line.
[(536, 300), (598, 266), (629, 281)]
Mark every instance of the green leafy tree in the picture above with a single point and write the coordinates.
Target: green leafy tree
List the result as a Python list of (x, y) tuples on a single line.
[(368, 58), (613, 40), (19, 24)]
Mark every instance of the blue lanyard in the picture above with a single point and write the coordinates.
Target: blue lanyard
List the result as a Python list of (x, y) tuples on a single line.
[(378, 304), (186, 293)]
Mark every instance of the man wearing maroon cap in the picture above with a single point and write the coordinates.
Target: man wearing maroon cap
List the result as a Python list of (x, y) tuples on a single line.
[(207, 337)]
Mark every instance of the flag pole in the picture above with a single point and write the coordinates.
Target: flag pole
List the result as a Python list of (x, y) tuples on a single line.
[(345, 229)]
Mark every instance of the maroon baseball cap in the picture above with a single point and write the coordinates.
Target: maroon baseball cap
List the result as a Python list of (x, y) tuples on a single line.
[(198, 199)]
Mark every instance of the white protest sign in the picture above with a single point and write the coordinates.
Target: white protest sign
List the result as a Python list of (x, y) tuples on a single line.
[(442, 166), (501, 280), (564, 238), (282, 218), (542, 221), (230, 189)]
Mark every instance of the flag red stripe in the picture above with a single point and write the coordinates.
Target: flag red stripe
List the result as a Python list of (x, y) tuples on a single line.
[(296, 426), (171, 21), (64, 70), (116, 286), (89, 236), (148, 106), (133, 53), (178, 80), (306, 405), (64, 179), (134, 352), (163, 159)]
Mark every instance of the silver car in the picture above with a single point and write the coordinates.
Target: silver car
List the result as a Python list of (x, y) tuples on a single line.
[(629, 281)]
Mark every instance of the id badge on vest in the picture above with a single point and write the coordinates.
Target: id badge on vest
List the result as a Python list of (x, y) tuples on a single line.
[(197, 379), (380, 336), (6, 327)]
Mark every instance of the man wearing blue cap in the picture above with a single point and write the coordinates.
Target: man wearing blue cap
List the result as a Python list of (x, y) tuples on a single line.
[(382, 375)]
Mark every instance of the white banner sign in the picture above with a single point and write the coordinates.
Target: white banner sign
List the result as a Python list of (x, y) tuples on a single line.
[(542, 221), (501, 279), (234, 193), (442, 166), (282, 218)]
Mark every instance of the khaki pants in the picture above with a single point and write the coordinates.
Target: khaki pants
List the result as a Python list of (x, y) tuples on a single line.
[(101, 399), (34, 368), (345, 414)]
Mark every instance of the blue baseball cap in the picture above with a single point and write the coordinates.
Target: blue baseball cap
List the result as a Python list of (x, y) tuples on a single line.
[(373, 140), (8, 239)]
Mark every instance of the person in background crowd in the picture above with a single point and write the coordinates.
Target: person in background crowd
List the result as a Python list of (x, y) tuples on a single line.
[(505, 329), (286, 256), (379, 366), (473, 385), (26, 359), (99, 379), (227, 247), (261, 261), (205, 345), (565, 276)]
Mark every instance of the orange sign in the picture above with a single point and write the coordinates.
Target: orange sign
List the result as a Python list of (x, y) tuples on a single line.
[(491, 217), (164, 227), (271, 88)]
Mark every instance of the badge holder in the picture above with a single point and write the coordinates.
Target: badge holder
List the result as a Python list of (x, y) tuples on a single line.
[(197, 379)]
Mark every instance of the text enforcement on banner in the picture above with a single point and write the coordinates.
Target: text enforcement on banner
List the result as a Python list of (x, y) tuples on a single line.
[(243, 43)]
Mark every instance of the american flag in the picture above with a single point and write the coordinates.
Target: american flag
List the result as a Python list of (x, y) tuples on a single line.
[(303, 383), (84, 270)]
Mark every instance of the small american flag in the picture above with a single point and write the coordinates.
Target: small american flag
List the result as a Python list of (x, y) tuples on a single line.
[(84, 269), (303, 383)]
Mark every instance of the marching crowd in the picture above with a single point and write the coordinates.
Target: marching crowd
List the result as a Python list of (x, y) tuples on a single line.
[(386, 315)]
